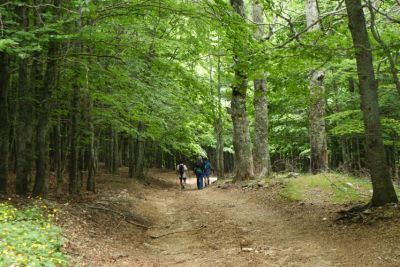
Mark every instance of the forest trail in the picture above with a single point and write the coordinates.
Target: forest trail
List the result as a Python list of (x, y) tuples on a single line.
[(228, 230), (214, 227)]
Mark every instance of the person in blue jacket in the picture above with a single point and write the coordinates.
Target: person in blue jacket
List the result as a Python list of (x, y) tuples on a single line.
[(199, 171), (207, 171)]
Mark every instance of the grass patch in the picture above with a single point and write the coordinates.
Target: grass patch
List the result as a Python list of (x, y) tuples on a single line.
[(29, 238), (327, 187)]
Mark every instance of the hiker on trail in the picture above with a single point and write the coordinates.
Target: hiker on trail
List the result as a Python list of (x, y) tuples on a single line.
[(207, 171), (181, 169), (199, 171)]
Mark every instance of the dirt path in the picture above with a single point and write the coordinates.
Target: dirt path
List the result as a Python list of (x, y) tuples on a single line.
[(237, 232), (218, 227)]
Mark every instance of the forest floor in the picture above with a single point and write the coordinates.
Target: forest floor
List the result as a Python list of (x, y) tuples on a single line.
[(155, 223)]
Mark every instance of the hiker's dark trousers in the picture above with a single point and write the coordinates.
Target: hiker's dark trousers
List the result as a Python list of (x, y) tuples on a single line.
[(199, 180)]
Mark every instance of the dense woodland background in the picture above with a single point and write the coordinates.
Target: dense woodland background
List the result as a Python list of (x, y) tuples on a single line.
[(258, 86)]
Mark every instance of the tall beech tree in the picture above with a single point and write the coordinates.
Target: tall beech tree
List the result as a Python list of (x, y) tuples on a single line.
[(262, 161), (383, 190), (217, 116), (318, 141), (45, 92), (244, 168), (219, 123)]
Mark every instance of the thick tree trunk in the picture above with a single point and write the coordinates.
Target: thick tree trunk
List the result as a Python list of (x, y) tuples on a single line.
[(74, 134), (318, 143), (24, 127), (241, 133), (383, 190), (42, 144), (24, 131), (43, 114), (4, 121), (262, 161)]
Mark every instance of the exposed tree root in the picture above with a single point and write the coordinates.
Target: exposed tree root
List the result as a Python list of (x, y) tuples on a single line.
[(178, 232), (125, 215)]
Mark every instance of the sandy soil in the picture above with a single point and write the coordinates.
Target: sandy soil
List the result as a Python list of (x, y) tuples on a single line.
[(228, 226)]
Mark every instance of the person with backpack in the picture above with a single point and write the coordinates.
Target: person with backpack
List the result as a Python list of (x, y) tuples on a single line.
[(199, 171), (181, 169), (207, 171)]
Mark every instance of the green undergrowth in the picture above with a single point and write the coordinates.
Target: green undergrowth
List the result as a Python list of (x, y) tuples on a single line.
[(328, 188), (28, 237)]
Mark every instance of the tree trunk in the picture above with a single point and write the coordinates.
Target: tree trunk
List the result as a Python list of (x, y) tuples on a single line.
[(73, 156), (131, 157), (262, 161), (81, 165), (318, 143), (110, 151), (13, 116), (241, 133), (396, 167), (91, 181), (43, 114), (4, 121), (217, 117), (116, 159), (24, 127), (58, 154), (24, 131), (42, 142), (107, 144), (220, 126), (140, 149), (383, 190)]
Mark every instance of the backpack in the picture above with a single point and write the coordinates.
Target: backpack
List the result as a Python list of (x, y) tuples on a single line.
[(181, 169), (207, 166), (199, 167)]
